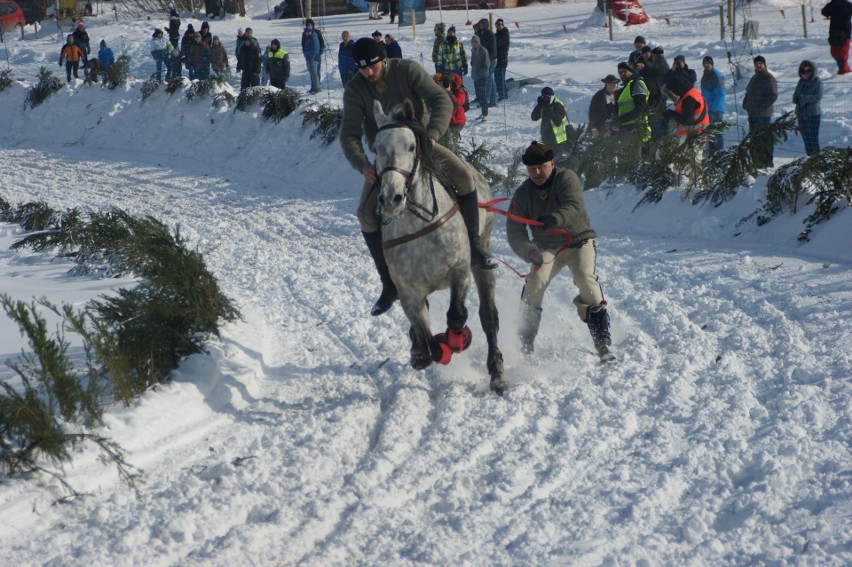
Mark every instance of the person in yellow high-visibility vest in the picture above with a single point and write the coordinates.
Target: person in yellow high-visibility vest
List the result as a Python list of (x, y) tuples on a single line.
[(554, 120), (632, 101)]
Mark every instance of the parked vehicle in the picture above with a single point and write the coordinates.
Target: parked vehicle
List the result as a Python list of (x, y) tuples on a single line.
[(34, 10), (11, 16)]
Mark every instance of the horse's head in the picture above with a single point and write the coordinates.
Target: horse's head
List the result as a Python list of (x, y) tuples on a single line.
[(397, 156)]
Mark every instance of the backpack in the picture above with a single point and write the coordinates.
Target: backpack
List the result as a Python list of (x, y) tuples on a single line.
[(321, 39), (466, 98)]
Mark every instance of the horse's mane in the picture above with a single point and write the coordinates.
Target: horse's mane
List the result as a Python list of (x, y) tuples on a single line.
[(424, 146)]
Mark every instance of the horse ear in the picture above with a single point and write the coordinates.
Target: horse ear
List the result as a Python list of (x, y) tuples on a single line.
[(377, 109), (408, 109)]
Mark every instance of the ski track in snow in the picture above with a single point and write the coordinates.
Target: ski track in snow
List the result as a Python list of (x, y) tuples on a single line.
[(303, 437), (340, 455)]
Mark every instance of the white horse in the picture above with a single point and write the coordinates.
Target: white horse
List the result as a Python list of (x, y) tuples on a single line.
[(426, 244)]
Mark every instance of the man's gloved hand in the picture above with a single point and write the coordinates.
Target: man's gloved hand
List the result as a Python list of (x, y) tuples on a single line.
[(547, 221), (535, 258)]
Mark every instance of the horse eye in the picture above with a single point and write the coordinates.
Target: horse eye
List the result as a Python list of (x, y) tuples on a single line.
[(412, 147)]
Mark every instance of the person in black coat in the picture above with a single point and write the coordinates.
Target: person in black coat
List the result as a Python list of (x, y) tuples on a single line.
[(502, 36), (277, 65), (489, 41), (81, 38), (839, 32), (174, 27), (248, 61)]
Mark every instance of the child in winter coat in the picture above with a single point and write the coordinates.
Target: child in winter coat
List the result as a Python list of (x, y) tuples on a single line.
[(70, 55), (105, 57)]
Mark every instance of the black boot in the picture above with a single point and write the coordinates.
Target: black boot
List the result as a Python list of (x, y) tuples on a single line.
[(469, 207), (389, 294), (599, 328)]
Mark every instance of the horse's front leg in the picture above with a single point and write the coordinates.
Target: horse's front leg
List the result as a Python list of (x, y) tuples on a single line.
[(457, 313), (488, 317), (417, 311)]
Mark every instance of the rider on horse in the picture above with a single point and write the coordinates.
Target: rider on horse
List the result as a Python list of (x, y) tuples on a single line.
[(391, 81)]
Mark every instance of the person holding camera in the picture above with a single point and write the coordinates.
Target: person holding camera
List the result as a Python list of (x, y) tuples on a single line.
[(554, 120), (562, 236)]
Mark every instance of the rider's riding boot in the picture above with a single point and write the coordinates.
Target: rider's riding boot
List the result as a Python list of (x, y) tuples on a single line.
[(599, 328), (469, 207), (530, 319), (389, 294)]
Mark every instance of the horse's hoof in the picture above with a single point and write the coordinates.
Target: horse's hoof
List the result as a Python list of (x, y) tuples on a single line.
[(420, 362), (499, 385)]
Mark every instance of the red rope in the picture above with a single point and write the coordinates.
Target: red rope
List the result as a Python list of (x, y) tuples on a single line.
[(489, 206)]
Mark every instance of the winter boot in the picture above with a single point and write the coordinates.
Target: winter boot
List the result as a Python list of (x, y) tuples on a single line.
[(599, 328), (389, 293), (469, 207), (530, 318)]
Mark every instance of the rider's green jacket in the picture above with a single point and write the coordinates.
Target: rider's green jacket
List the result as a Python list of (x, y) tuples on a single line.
[(562, 197), (403, 79)]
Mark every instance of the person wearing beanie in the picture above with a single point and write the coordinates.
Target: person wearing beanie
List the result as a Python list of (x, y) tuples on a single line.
[(839, 13), (439, 31), (174, 27), (489, 42), (277, 65), (713, 90), (631, 123), (760, 96), (106, 58), (807, 97), (679, 67), (391, 81), (502, 36), (249, 63), (554, 120), (690, 112), (206, 36), (218, 56), (187, 41), (81, 38), (560, 237), (636, 54), (240, 34), (452, 57), (603, 107)]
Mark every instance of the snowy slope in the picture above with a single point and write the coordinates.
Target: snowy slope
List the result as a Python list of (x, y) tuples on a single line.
[(302, 437)]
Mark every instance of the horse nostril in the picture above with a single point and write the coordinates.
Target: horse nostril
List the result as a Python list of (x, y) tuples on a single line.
[(397, 199), (381, 200)]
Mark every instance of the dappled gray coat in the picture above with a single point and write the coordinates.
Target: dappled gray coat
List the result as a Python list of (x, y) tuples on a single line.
[(562, 198)]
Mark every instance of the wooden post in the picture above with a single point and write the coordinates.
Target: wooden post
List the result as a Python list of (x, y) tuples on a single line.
[(731, 13), (721, 22), (414, 24), (804, 22), (609, 19)]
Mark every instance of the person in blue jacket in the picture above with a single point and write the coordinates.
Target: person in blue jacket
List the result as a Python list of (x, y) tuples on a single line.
[(713, 90), (105, 57), (312, 53)]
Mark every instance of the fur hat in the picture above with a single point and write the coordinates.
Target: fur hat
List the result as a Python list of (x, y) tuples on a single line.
[(537, 154), (440, 27), (707, 59), (367, 51), (610, 79), (760, 59), (625, 65)]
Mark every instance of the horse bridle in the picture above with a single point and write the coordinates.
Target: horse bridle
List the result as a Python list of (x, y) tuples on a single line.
[(413, 206), (416, 208)]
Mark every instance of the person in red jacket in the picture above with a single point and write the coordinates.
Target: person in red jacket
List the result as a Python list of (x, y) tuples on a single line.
[(690, 112), (71, 55), (451, 83)]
